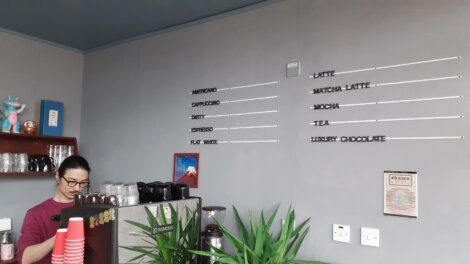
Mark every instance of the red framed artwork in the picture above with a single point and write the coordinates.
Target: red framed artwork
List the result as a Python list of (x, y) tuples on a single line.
[(186, 169)]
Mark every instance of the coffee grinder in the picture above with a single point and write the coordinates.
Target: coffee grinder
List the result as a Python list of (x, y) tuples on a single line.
[(212, 235)]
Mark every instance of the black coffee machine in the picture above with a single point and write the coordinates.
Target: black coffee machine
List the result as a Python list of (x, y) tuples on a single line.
[(158, 192)]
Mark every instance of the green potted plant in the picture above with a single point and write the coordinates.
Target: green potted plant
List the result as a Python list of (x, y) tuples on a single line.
[(167, 247), (256, 243)]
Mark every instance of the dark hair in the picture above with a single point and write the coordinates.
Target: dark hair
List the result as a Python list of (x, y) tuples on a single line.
[(73, 162)]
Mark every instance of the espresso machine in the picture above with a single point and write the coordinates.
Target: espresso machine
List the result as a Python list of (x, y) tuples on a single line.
[(211, 236), (107, 229)]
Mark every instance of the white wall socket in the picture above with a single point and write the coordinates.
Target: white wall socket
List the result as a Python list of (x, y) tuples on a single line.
[(5, 224), (341, 233), (370, 237), (167, 211)]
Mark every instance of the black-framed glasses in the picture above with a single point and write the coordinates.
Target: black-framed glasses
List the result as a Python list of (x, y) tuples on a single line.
[(74, 183)]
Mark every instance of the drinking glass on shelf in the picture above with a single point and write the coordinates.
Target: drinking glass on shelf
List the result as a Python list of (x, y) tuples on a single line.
[(55, 155), (132, 194), (21, 162), (7, 162), (70, 150), (1, 162), (105, 188), (51, 151), (119, 192)]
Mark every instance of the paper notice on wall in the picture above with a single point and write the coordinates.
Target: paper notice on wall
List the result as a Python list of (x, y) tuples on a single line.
[(53, 118), (401, 193)]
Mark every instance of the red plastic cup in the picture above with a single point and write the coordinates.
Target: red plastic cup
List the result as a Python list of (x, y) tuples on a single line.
[(74, 253), (59, 243), (77, 247), (76, 228), (74, 242), (75, 260)]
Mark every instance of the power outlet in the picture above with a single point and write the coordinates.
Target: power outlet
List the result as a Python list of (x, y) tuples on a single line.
[(167, 211), (341, 233), (5, 224), (370, 237), (154, 210)]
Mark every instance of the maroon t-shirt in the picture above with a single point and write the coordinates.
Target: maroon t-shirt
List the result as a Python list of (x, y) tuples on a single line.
[(38, 226)]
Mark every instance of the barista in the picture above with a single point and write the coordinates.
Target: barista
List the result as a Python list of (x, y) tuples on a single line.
[(38, 230)]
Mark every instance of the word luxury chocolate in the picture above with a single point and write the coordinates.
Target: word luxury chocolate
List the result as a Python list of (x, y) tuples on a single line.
[(348, 87), (349, 139)]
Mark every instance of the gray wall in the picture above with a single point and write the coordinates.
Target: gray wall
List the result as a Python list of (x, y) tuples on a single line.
[(135, 117), (34, 71)]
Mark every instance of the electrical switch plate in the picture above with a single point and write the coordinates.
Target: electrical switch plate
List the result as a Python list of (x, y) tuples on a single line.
[(154, 210), (370, 237), (5, 224), (341, 233), (167, 211), (293, 69)]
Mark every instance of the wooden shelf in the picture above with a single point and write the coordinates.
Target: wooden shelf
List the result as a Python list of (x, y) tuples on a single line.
[(32, 145), (13, 135), (9, 261), (32, 174)]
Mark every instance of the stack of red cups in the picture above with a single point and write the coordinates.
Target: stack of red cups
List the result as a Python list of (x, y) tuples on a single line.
[(75, 241), (59, 246)]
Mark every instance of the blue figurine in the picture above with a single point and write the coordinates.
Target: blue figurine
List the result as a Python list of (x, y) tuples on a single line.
[(12, 108)]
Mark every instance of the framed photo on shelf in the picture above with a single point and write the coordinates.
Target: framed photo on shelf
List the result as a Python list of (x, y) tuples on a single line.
[(186, 169), (51, 117)]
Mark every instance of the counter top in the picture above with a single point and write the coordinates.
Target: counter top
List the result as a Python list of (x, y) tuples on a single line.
[(9, 261)]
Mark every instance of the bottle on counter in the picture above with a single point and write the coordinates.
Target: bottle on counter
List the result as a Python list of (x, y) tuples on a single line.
[(7, 246)]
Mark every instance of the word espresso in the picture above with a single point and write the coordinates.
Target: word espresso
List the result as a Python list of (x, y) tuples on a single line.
[(202, 129), (334, 89), (349, 139)]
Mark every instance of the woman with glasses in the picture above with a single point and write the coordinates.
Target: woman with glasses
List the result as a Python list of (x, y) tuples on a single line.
[(38, 230)]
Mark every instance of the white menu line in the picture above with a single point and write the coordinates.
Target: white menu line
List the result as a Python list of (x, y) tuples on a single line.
[(392, 119), (404, 82), (401, 101), (423, 138), (249, 141), (245, 127), (242, 114), (419, 80), (250, 99), (248, 86), (396, 65)]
